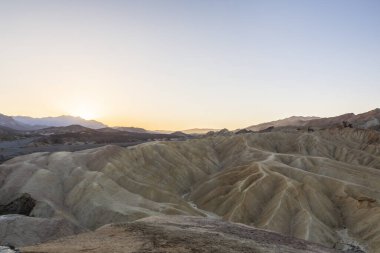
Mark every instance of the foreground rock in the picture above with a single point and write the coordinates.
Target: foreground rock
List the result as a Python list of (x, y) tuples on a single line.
[(20, 230), (21, 205), (8, 249), (178, 234)]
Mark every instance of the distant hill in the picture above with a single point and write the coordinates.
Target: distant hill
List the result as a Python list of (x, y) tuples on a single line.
[(199, 130), (133, 129), (108, 130), (291, 121), (9, 122), (189, 131), (66, 129), (164, 131), (7, 133), (370, 119), (367, 120), (7, 130), (180, 134), (60, 121)]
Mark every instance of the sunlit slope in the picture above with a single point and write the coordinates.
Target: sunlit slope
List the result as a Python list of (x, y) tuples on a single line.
[(309, 186), (315, 186)]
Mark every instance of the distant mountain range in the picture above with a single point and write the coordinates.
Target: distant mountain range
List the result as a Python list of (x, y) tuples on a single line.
[(367, 120), (9, 122), (199, 130), (291, 121), (64, 120)]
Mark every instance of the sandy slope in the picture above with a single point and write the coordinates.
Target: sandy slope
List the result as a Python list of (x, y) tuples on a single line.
[(307, 185)]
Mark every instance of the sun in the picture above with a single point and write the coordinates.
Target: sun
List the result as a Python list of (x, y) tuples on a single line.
[(85, 112), (86, 115), (85, 108)]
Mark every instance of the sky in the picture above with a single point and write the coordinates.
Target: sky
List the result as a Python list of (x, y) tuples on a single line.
[(176, 64)]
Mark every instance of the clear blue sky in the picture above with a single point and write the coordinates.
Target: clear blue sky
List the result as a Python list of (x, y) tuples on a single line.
[(180, 64)]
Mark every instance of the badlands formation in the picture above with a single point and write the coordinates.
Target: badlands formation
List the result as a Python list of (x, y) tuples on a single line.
[(322, 186)]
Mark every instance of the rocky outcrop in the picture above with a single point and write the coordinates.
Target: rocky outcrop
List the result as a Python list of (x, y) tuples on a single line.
[(21, 205), (8, 249), (20, 230), (243, 131), (223, 132)]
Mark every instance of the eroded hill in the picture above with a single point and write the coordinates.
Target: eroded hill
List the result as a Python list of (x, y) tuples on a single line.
[(321, 186)]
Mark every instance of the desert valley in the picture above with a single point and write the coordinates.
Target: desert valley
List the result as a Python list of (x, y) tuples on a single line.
[(298, 185)]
